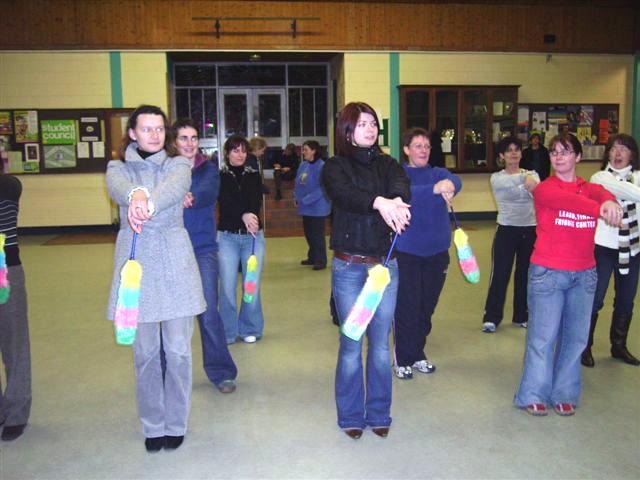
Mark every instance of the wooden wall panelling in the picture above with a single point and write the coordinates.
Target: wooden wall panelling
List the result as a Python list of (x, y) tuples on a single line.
[(580, 27)]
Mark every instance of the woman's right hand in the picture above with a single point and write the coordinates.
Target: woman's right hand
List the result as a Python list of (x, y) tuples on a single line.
[(394, 212), (251, 223), (138, 210)]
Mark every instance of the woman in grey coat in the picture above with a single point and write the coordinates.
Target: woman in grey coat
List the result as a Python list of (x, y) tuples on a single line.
[(149, 186)]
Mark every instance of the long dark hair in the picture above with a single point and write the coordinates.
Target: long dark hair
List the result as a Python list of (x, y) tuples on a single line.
[(346, 125), (169, 147), (627, 141)]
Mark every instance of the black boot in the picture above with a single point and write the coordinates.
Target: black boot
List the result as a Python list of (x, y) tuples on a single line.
[(618, 335), (587, 358)]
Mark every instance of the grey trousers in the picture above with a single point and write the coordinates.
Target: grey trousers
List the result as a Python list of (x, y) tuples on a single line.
[(15, 398), (163, 407)]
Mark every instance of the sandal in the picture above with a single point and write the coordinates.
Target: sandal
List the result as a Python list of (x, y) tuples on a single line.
[(537, 409), (564, 409)]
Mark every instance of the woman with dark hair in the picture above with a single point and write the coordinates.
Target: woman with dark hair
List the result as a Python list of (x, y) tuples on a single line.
[(149, 184), (515, 234), (369, 191), (239, 230), (536, 157), (422, 253), (286, 168), (200, 222), (562, 281), (617, 247), (313, 204)]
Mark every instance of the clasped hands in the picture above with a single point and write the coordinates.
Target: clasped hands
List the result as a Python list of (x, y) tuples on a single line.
[(611, 212), (138, 210), (394, 212)]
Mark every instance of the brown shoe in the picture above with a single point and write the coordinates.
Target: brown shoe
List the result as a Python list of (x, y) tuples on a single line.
[(381, 431), (354, 433)]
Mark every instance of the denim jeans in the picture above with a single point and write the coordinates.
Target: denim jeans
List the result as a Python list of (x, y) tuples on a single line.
[(234, 249), (559, 317), (216, 359), (358, 408)]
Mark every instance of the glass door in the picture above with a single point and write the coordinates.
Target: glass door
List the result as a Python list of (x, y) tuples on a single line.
[(253, 113)]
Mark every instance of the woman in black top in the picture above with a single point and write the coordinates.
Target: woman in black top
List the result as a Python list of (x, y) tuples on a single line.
[(369, 191), (239, 229)]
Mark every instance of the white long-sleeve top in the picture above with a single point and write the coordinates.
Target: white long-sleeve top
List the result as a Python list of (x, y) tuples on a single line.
[(605, 235), (515, 203)]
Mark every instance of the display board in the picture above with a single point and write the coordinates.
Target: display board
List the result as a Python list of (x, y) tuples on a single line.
[(35, 141), (591, 123)]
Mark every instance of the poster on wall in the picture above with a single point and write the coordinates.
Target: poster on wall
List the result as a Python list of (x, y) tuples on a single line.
[(26, 126), (58, 132), (31, 162), (59, 156), (90, 130), (5, 123), (15, 162)]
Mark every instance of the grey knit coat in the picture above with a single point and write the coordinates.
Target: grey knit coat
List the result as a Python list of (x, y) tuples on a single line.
[(171, 287)]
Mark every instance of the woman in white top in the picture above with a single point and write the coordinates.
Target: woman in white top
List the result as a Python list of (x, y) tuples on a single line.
[(515, 235), (617, 249)]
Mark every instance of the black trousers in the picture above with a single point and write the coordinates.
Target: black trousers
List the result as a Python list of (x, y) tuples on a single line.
[(421, 281), (509, 243), (314, 233)]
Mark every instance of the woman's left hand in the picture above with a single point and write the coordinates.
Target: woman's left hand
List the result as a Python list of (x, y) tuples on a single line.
[(251, 223), (446, 188)]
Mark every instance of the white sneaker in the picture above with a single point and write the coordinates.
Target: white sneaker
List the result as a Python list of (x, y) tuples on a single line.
[(250, 339), (404, 373), (424, 366), (521, 325), (488, 327)]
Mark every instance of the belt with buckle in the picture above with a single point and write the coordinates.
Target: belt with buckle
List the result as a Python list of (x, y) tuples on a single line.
[(240, 231), (369, 260)]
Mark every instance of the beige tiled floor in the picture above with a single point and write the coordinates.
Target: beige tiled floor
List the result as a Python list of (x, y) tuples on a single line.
[(456, 423)]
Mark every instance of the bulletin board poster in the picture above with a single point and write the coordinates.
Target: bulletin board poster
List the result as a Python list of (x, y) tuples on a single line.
[(6, 127), (26, 126), (592, 124), (58, 132)]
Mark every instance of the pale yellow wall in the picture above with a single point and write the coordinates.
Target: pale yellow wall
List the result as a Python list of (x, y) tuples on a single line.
[(145, 79), (65, 199), (55, 80), (366, 79)]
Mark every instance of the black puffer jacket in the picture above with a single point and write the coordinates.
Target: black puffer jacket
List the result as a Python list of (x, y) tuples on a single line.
[(353, 184)]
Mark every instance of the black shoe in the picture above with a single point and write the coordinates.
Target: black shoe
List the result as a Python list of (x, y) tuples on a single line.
[(278, 195), (381, 431), (620, 352), (171, 443), (154, 444), (354, 433), (10, 433), (587, 358), (320, 266), (307, 262)]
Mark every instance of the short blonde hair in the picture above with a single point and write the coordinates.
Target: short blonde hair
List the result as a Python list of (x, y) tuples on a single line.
[(257, 143)]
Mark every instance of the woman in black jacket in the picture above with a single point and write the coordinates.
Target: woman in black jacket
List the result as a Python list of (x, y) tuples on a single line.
[(369, 191)]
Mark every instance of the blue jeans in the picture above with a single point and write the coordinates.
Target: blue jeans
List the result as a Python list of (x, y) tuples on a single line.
[(233, 249), (559, 317), (357, 408), (217, 361)]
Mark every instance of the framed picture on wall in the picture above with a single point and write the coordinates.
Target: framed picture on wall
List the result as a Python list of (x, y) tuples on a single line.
[(31, 160)]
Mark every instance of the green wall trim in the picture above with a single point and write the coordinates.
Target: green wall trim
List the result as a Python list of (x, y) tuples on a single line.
[(115, 67), (635, 108), (394, 117)]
